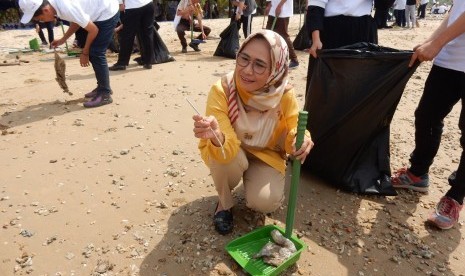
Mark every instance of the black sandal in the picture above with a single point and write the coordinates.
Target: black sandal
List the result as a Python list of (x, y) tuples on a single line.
[(223, 221)]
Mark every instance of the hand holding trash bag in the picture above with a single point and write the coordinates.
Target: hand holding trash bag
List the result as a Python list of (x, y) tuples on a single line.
[(316, 44), (425, 52)]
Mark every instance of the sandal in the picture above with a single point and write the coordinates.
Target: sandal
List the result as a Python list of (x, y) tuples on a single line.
[(223, 221)]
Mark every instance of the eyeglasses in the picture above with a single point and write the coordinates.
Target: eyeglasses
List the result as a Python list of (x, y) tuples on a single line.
[(259, 67)]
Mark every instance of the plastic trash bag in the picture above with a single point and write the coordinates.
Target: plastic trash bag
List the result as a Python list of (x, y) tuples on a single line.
[(352, 96), (160, 51), (302, 41), (229, 43)]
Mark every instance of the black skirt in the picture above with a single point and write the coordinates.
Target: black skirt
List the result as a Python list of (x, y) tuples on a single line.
[(344, 30)]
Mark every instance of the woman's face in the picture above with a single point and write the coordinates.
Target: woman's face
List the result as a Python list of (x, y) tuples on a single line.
[(253, 65)]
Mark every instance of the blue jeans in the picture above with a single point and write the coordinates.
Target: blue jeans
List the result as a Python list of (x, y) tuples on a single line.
[(98, 49)]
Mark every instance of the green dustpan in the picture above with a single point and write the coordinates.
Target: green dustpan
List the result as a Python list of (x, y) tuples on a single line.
[(244, 248)]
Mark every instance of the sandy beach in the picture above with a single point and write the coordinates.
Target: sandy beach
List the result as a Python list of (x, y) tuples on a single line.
[(122, 190)]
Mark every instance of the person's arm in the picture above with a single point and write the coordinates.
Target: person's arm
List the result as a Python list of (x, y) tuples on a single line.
[(92, 31), (73, 27), (279, 7), (267, 8), (199, 18), (291, 109), (443, 35), (217, 110), (315, 17)]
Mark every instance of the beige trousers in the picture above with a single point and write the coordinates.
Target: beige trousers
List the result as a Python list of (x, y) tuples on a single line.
[(263, 185)]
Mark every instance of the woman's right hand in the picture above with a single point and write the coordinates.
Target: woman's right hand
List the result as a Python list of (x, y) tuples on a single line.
[(207, 128), (316, 45), (57, 42)]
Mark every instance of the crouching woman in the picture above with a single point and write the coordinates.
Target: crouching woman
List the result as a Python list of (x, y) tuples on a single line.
[(250, 127)]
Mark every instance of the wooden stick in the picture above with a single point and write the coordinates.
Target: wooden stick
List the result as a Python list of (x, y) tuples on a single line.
[(10, 64)]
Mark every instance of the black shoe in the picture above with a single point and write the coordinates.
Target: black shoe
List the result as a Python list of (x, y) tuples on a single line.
[(147, 66), (99, 100), (117, 67), (194, 46), (223, 221), (184, 50)]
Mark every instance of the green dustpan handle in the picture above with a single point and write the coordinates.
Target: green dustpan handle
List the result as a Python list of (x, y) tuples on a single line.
[(274, 23), (192, 28), (63, 30), (301, 127)]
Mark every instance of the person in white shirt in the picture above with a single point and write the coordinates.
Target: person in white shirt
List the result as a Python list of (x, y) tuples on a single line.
[(336, 23), (444, 88), (422, 9), (244, 11), (279, 12), (137, 17), (98, 18), (399, 12), (186, 11)]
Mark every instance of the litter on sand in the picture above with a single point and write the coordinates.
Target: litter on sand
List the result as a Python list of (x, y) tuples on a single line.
[(60, 69)]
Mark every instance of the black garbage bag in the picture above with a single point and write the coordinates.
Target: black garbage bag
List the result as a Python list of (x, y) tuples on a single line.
[(352, 96), (229, 43), (302, 41), (160, 51)]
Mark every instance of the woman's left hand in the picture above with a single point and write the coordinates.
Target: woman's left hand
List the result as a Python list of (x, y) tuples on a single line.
[(304, 150)]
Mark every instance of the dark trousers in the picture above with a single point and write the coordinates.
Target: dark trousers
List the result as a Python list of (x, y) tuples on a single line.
[(400, 17), (422, 11), (443, 89), (281, 27), (139, 20), (246, 21), (98, 50), (184, 25), (381, 17), (49, 26)]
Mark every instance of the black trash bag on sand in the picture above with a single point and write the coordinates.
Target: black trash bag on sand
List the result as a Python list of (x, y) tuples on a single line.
[(352, 96), (160, 51), (229, 43)]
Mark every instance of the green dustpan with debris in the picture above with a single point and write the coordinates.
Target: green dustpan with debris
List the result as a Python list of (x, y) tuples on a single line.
[(244, 248)]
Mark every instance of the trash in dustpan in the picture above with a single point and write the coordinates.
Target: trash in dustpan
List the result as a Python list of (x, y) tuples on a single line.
[(244, 249)]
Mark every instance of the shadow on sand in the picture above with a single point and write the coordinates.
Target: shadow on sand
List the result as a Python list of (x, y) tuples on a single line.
[(344, 232), (39, 112)]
